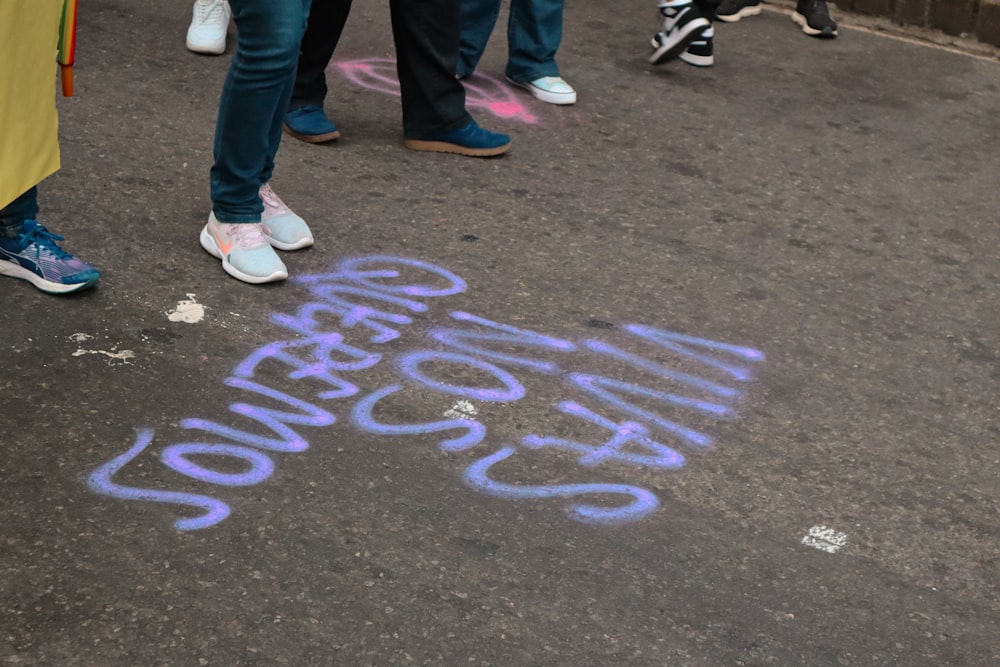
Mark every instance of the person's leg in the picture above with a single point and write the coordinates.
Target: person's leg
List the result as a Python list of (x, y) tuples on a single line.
[(478, 19), (13, 215), (29, 251), (248, 132), (434, 115), (253, 102), (306, 120), (326, 23), (534, 32), (426, 37)]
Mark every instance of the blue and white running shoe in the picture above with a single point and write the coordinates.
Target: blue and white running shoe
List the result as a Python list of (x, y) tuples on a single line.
[(33, 255)]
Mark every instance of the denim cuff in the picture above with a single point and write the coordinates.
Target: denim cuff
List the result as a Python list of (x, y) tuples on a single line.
[(230, 219), (11, 230)]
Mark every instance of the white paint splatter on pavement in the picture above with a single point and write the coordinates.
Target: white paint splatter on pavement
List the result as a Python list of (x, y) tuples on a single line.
[(188, 310), (825, 539), (462, 410), (122, 356)]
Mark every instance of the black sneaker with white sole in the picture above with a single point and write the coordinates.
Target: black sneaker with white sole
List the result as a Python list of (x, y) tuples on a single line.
[(814, 17), (732, 11), (683, 23)]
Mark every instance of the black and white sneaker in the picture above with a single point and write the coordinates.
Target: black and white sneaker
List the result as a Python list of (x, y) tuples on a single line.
[(683, 23), (732, 11), (698, 53), (814, 17)]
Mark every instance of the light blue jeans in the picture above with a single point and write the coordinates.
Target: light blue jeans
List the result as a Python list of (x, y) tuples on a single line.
[(534, 31), (253, 103)]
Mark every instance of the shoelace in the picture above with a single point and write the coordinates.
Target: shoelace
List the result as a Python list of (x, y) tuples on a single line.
[(272, 202), (246, 236), (45, 241), (214, 15)]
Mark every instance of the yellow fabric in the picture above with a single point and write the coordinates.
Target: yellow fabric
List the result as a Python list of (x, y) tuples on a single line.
[(29, 142)]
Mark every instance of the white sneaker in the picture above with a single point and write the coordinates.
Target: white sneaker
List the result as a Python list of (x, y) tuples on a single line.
[(245, 253), (209, 23), (283, 229), (551, 89)]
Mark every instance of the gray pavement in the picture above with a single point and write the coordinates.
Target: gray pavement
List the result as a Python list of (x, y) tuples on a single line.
[(702, 373)]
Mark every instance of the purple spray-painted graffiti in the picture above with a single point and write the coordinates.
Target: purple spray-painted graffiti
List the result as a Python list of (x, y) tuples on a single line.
[(363, 297), (481, 91)]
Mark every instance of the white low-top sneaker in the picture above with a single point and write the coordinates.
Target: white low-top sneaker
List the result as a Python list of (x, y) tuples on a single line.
[(245, 252), (283, 228), (209, 23), (551, 89)]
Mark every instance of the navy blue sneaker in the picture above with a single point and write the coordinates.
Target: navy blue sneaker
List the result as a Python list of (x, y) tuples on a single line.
[(470, 140), (310, 124), (32, 255)]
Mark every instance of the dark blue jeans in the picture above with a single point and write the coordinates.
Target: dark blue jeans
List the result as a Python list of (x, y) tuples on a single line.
[(326, 23), (426, 36), (13, 215), (534, 31), (253, 103)]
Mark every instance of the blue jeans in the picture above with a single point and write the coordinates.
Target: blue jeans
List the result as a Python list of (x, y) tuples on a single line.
[(534, 31), (13, 215), (253, 103)]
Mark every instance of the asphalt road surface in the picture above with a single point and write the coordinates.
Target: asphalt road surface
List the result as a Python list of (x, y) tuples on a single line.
[(704, 372)]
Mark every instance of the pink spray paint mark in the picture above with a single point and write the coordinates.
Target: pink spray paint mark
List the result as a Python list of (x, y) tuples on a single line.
[(481, 91)]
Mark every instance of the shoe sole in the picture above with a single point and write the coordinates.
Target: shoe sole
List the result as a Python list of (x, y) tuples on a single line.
[(688, 57), (212, 248), (445, 147), (561, 99), (299, 245), (692, 32), (206, 50), (47, 286), (697, 61), (825, 33), (281, 245), (742, 14), (312, 138)]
